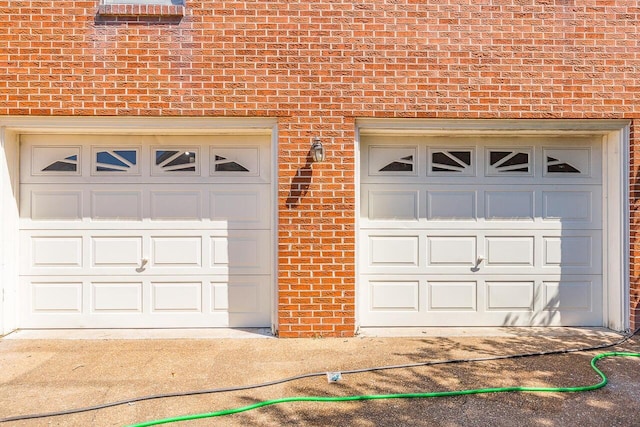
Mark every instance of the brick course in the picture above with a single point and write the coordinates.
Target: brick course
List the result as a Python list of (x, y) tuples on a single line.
[(316, 66)]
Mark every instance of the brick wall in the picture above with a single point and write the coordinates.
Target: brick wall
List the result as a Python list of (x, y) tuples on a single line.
[(316, 65)]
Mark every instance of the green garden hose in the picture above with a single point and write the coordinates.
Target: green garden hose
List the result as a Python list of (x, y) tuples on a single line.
[(601, 384)]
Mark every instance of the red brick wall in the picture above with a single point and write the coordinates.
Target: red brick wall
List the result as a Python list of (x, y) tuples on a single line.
[(316, 65)]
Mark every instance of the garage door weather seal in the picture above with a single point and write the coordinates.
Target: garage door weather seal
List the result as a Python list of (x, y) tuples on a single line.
[(601, 384)]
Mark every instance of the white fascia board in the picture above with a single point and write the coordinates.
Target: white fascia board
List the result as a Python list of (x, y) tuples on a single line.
[(145, 2), (493, 126), (139, 125)]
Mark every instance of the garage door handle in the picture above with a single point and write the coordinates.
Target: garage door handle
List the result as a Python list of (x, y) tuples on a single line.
[(479, 261), (143, 263)]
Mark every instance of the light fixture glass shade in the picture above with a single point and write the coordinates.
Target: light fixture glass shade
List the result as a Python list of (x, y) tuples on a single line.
[(317, 150)]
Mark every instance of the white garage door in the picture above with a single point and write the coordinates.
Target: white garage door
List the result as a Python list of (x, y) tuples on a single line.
[(480, 231), (145, 231)]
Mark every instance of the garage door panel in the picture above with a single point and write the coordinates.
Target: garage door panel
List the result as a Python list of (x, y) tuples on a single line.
[(241, 251), (394, 250), (572, 207), (219, 251), (176, 251), (490, 207), (509, 231), (484, 300), (489, 252), (240, 294), (55, 205), (572, 252), (116, 205), (55, 251), (247, 251), (573, 299), (393, 205), (175, 205), (240, 208), (510, 295), (492, 251), (392, 301), (146, 231), (509, 205), (123, 297), (568, 251), (176, 296), (148, 302), (567, 295), (452, 296), (146, 252), (509, 251), (244, 299), (56, 296), (451, 251), (395, 295), (567, 205), (231, 206), (124, 251), (244, 252), (451, 205)]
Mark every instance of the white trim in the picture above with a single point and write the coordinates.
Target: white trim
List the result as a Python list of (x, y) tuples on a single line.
[(145, 2), (138, 125), (490, 126), (4, 175), (274, 228), (616, 228), (9, 220), (356, 268), (615, 135)]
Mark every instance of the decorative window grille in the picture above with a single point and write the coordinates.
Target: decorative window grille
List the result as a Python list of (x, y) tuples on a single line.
[(180, 160), (404, 164), (118, 161), (68, 164), (510, 162), (457, 162)]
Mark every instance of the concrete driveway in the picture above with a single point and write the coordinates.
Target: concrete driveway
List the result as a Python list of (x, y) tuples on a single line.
[(42, 372)]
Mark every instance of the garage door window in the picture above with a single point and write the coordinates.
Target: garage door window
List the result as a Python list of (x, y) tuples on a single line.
[(176, 160), (118, 161), (509, 162), (574, 162), (68, 164), (56, 160), (457, 162)]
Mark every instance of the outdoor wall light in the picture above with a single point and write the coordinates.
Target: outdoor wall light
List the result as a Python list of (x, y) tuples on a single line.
[(317, 150)]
